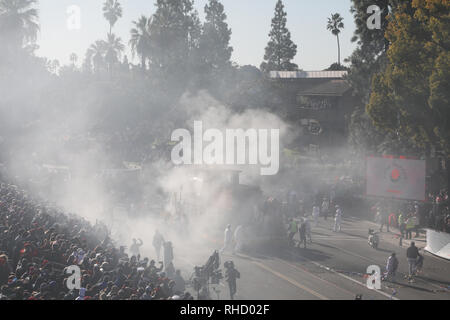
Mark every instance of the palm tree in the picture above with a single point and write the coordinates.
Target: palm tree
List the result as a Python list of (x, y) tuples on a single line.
[(73, 59), (96, 52), (112, 11), (140, 39), (19, 21), (114, 49), (335, 25)]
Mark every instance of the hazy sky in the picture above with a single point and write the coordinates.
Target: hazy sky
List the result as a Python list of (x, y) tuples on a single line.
[(249, 20)]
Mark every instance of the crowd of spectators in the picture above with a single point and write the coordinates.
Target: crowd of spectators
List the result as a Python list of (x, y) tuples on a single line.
[(438, 216), (39, 242), (410, 216)]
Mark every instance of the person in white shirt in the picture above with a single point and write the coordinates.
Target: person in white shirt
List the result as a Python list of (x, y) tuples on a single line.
[(337, 219), (238, 238), (325, 208), (228, 240), (315, 214), (308, 229)]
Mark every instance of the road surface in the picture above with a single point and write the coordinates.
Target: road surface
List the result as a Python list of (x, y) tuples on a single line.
[(332, 267)]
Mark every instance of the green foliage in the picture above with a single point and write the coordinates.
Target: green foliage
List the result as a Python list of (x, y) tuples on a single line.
[(95, 55), (140, 41), (337, 67), (415, 83), (112, 11), (335, 25), (368, 59), (18, 23), (280, 50), (215, 49), (172, 34)]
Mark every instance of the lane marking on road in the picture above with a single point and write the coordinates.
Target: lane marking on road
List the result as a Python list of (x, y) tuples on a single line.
[(291, 281), (344, 276), (354, 254), (376, 262), (317, 277), (337, 239)]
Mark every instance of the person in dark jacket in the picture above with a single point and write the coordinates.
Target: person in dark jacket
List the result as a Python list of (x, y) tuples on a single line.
[(302, 234), (231, 274), (412, 253), (168, 253)]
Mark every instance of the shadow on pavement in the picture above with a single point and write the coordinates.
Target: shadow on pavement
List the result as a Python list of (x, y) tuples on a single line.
[(407, 285), (311, 254), (446, 283), (384, 250)]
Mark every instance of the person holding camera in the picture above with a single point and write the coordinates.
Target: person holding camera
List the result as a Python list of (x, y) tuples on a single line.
[(231, 274)]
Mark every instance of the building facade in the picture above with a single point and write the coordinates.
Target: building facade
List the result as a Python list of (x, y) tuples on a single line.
[(320, 103)]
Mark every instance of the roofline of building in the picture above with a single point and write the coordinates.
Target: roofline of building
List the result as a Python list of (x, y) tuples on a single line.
[(307, 74)]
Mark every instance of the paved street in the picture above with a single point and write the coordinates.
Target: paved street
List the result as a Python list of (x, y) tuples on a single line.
[(330, 268)]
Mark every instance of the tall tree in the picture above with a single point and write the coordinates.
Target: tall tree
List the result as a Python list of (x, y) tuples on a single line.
[(113, 52), (18, 22), (369, 56), (281, 49), (173, 36), (368, 59), (140, 41), (411, 96), (215, 39), (96, 53), (335, 25), (73, 59), (112, 11)]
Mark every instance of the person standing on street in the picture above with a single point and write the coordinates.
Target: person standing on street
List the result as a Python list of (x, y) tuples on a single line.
[(168, 253), (415, 222), (412, 253), (293, 228), (228, 239), (231, 274), (391, 267), (302, 234), (238, 238), (410, 224), (337, 219), (401, 224), (158, 241), (325, 208), (384, 219), (134, 248), (308, 229), (316, 214)]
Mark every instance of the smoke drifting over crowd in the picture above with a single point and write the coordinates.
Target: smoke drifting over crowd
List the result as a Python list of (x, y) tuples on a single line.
[(55, 151), (130, 170)]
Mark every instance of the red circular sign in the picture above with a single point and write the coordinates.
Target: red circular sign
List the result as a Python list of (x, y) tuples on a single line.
[(395, 174)]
